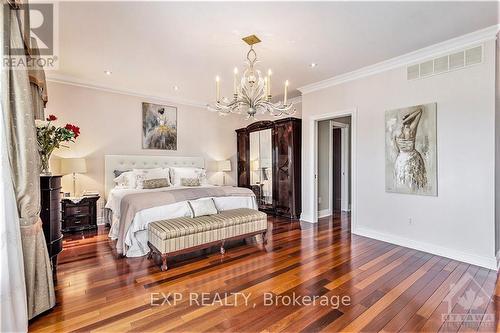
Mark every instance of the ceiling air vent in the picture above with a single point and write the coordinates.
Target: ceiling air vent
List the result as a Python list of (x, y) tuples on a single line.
[(446, 63), (473, 56), (426, 68), (457, 60), (441, 65), (413, 72)]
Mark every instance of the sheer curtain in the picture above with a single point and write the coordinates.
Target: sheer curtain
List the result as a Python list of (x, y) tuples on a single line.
[(20, 171), (13, 309)]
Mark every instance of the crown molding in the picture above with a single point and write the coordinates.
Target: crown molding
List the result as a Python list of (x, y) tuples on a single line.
[(432, 51), (295, 100), (73, 81)]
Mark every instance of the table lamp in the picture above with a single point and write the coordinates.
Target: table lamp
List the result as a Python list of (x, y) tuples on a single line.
[(224, 166), (74, 166)]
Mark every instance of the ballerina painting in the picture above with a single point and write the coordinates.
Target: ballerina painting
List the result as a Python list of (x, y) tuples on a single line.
[(159, 127), (411, 163)]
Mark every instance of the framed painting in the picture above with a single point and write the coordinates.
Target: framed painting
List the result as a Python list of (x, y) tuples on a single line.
[(411, 150), (159, 126)]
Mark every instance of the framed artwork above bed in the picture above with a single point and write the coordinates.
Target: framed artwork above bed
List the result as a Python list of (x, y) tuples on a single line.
[(159, 126)]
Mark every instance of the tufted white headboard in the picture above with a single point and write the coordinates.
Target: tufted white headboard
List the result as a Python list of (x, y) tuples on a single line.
[(129, 162)]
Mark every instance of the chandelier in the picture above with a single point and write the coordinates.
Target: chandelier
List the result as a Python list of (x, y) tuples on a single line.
[(253, 93)]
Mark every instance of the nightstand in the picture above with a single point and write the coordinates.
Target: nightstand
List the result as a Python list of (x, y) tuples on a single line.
[(79, 213)]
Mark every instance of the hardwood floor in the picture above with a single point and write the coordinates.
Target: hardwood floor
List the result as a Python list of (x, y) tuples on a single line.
[(388, 288)]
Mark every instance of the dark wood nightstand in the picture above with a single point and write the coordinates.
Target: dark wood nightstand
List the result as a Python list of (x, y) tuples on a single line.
[(79, 215), (50, 213)]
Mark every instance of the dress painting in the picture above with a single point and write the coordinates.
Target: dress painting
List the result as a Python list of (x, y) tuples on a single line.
[(411, 164)]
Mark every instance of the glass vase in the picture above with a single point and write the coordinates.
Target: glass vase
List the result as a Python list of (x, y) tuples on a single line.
[(44, 163)]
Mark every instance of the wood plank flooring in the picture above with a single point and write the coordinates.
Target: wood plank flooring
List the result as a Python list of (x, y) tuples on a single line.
[(388, 288)]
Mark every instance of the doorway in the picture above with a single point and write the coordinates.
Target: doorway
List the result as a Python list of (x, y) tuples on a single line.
[(341, 164), (333, 155)]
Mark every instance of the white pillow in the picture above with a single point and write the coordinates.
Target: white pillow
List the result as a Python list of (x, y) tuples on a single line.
[(178, 173), (147, 174), (202, 207), (126, 179)]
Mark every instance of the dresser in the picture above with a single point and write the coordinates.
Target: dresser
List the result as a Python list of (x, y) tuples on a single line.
[(269, 163), (50, 214), (79, 213)]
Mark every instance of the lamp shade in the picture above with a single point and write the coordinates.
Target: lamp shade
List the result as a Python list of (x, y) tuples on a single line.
[(224, 165), (73, 165)]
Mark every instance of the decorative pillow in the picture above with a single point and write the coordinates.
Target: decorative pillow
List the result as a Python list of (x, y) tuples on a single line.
[(190, 182), (146, 174), (178, 173), (155, 183), (202, 207), (117, 173), (126, 179), (202, 175)]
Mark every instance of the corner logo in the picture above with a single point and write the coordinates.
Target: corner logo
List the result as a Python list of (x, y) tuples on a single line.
[(39, 28), (467, 303)]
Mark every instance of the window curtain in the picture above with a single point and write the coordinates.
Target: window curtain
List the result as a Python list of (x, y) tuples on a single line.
[(13, 309), (24, 163), (38, 84)]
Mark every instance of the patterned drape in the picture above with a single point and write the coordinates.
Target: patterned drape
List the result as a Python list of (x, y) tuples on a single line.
[(18, 112)]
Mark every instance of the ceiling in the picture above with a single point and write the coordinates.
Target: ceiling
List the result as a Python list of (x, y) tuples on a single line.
[(150, 47)]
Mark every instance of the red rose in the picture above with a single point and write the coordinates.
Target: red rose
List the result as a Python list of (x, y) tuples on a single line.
[(74, 129), (51, 118)]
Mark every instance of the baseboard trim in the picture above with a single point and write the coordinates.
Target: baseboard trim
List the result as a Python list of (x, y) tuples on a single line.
[(487, 262), (306, 218), (498, 260), (324, 213)]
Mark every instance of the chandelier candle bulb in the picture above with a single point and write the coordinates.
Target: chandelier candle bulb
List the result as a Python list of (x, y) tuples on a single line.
[(269, 73), (235, 81), (217, 88), (286, 93)]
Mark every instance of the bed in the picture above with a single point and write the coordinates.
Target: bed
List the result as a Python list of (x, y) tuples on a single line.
[(129, 225)]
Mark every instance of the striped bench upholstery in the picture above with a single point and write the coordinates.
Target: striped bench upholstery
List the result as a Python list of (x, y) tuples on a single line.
[(173, 236)]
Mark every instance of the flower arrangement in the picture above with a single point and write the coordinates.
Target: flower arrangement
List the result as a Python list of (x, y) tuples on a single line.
[(50, 137)]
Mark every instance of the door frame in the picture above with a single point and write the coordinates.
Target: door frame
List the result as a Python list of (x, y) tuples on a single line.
[(313, 173), (344, 167)]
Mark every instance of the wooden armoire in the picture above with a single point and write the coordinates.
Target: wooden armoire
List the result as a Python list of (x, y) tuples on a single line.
[(269, 163)]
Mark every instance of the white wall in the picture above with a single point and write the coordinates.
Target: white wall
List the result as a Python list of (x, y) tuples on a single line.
[(459, 222), (112, 123)]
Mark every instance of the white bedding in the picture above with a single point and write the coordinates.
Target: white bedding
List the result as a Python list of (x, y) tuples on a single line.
[(136, 235)]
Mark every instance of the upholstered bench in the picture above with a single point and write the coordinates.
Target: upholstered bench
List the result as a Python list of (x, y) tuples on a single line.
[(184, 234)]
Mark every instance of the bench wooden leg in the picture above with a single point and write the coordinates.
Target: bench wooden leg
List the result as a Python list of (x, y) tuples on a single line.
[(222, 250), (264, 238), (164, 266), (150, 253)]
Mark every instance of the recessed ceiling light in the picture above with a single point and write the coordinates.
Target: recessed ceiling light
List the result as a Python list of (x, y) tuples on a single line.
[(313, 65), (107, 72), (176, 88)]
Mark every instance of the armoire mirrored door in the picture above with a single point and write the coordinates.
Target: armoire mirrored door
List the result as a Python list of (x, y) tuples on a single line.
[(261, 163)]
